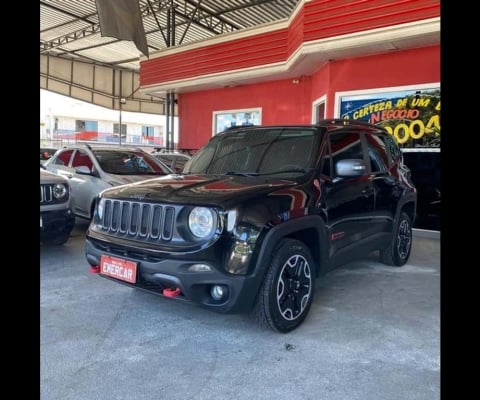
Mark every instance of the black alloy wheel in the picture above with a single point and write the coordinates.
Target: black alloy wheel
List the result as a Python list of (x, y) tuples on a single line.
[(398, 252), (287, 291)]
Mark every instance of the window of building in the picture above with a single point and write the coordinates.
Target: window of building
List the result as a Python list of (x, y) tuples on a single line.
[(147, 131), (116, 130), (226, 119), (83, 125), (319, 109)]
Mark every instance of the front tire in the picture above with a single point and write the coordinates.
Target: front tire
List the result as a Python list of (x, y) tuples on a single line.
[(287, 290), (57, 240), (398, 252)]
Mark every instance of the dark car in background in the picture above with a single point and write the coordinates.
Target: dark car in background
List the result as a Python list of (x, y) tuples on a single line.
[(56, 215), (258, 214)]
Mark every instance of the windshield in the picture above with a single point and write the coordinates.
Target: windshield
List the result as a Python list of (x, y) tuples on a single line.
[(259, 151), (129, 162)]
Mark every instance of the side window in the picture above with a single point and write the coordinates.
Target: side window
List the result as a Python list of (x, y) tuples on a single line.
[(327, 160), (392, 148), (63, 158), (377, 153), (345, 145), (81, 158)]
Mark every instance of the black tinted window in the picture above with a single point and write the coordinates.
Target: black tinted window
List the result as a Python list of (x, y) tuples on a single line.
[(259, 151), (377, 153), (392, 148)]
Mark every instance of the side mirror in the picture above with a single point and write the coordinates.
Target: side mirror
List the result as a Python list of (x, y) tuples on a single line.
[(83, 170), (352, 167)]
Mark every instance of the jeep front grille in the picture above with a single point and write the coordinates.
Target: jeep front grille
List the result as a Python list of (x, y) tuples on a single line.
[(136, 220), (47, 197)]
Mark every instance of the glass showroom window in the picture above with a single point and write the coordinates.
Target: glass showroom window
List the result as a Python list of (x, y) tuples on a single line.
[(230, 118)]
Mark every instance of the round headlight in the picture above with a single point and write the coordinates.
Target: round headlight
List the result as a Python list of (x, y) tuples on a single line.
[(60, 191), (200, 222)]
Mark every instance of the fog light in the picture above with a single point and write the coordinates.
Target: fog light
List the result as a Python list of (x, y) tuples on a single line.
[(219, 292)]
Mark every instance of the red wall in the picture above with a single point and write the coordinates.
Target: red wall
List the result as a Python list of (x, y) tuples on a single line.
[(396, 68), (284, 102), (318, 19)]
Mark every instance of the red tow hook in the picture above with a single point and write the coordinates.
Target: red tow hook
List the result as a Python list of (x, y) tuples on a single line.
[(171, 292), (95, 270)]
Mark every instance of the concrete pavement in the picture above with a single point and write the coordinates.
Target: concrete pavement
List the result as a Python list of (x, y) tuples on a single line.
[(373, 333)]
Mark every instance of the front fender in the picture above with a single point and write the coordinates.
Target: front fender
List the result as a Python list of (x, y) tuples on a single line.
[(309, 229)]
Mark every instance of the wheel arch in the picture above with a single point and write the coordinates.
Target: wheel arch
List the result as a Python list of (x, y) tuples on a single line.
[(410, 209), (310, 230)]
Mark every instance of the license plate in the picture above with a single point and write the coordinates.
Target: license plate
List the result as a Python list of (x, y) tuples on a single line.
[(118, 268)]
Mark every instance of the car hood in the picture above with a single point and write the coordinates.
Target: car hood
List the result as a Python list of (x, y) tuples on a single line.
[(214, 190), (50, 177), (124, 179)]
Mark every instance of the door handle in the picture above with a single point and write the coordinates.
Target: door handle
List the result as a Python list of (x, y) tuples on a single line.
[(69, 176)]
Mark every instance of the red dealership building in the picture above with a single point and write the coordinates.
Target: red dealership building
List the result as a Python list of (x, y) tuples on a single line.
[(376, 60)]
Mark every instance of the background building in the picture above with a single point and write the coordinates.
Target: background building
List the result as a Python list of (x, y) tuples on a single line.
[(64, 120)]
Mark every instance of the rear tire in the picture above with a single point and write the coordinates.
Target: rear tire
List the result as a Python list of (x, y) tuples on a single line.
[(287, 290), (398, 252)]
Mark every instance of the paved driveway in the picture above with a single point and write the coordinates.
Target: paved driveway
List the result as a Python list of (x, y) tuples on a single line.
[(373, 333)]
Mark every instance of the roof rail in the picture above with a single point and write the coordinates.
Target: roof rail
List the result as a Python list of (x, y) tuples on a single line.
[(341, 121), (93, 144), (346, 122)]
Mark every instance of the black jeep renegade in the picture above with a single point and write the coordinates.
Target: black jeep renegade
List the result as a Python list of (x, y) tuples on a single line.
[(256, 216)]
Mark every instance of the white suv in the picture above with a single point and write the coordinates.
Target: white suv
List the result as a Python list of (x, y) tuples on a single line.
[(93, 168)]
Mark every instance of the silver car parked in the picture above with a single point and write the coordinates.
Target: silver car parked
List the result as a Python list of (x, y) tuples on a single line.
[(93, 168), (176, 161)]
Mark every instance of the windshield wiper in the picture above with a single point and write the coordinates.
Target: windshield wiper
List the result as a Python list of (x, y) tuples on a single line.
[(241, 173), (285, 171)]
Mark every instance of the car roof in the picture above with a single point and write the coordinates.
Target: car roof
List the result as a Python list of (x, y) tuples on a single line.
[(103, 147), (332, 122), (170, 154)]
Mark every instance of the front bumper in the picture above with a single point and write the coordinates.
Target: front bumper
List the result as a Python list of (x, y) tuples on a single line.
[(162, 275), (56, 223)]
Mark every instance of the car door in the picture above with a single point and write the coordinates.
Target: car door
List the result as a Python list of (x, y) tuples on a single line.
[(86, 184), (387, 189), (349, 200)]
